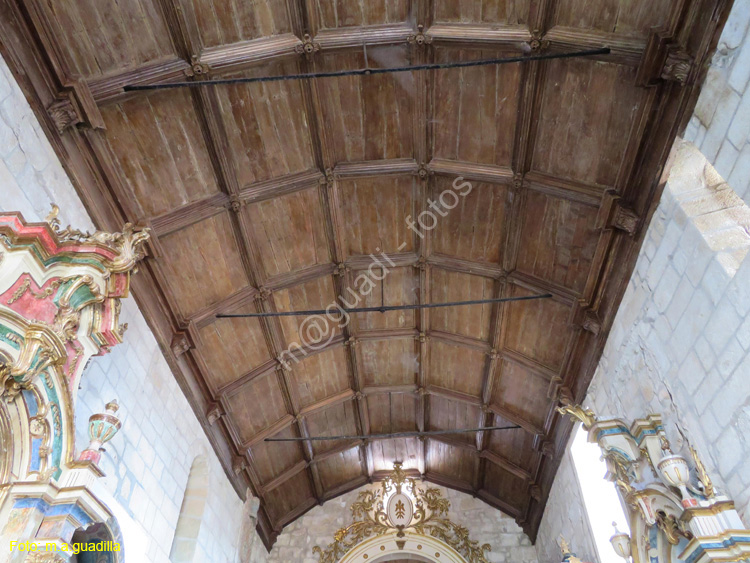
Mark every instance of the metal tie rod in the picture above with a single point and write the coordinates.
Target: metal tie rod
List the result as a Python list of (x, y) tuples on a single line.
[(381, 309), (366, 71), (392, 435)]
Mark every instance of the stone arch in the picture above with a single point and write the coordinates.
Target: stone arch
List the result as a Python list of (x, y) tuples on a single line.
[(388, 547), (191, 512)]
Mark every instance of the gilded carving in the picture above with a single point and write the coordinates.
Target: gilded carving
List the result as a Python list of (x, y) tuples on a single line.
[(39, 351), (430, 518), (586, 416), (127, 245)]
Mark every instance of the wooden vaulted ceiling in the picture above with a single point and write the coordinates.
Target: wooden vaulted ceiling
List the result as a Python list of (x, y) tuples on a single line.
[(270, 197)]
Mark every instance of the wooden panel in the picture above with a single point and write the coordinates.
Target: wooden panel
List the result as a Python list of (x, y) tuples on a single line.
[(587, 112), (505, 486), (508, 12), (228, 21), (473, 229), (295, 492), (251, 415), (514, 445), (385, 452), (456, 368), (290, 232), (475, 109), (321, 375), (340, 468), (335, 421), (266, 126), (314, 331), (202, 274), (452, 415), (233, 347), (369, 117), (523, 392), (451, 461), (272, 459), (99, 37), (342, 13), (558, 240), (401, 288), (624, 17), (392, 412), (389, 362), (538, 329), (375, 210), (157, 142), (472, 320)]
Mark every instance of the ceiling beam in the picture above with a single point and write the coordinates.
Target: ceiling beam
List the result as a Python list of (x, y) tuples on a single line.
[(280, 186), (463, 266), (376, 168), (233, 57), (355, 37)]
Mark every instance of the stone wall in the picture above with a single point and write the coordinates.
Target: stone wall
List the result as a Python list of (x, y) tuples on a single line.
[(566, 515), (721, 124), (485, 523), (148, 462)]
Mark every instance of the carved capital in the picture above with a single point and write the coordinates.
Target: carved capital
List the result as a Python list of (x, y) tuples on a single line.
[(591, 323), (535, 491), (239, 464), (677, 67)]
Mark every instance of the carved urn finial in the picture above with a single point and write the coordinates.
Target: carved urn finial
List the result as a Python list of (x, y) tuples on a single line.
[(102, 428)]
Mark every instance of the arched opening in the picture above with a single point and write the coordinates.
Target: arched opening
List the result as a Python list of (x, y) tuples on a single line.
[(389, 548), (191, 512)]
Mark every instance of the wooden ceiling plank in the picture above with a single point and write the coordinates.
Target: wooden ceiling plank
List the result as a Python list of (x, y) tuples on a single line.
[(506, 464), (285, 422), (459, 340), (410, 389), (455, 264), (454, 395)]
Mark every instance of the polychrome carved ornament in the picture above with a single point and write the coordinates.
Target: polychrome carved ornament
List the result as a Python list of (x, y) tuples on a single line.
[(674, 509)]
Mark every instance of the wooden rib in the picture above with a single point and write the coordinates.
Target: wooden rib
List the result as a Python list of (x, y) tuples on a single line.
[(460, 340), (560, 293), (625, 50), (332, 213), (238, 56), (515, 419), (229, 304), (284, 477), (452, 440), (189, 214), (393, 260), (283, 185), (450, 482), (500, 504), (109, 89), (355, 37), (456, 396), (281, 424), (462, 266), (476, 34), (265, 368), (376, 168), (566, 189), (295, 513), (328, 402), (506, 464), (387, 334), (471, 171), (341, 448), (408, 389), (311, 273)]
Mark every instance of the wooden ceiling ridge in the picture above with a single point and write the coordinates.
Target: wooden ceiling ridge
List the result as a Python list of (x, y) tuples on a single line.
[(668, 64)]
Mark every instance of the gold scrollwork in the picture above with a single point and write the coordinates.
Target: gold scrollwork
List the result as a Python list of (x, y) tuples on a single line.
[(586, 416), (430, 519)]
